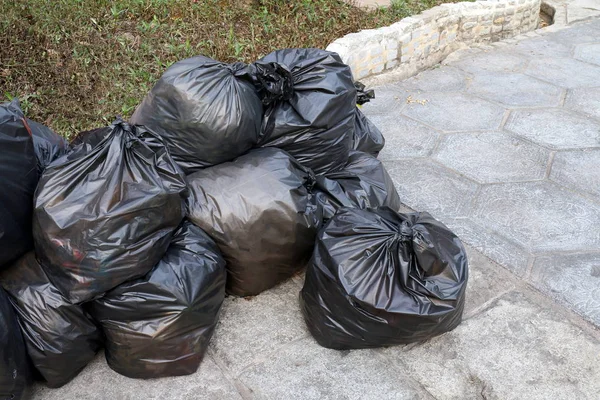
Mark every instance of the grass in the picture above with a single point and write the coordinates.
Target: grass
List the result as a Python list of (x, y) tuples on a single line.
[(75, 64)]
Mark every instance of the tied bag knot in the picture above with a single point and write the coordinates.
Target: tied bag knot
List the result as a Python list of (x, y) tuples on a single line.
[(274, 81)]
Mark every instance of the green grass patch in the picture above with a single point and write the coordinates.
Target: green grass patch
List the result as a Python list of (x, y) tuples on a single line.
[(75, 64)]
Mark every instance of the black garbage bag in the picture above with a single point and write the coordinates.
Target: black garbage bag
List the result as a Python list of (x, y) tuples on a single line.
[(47, 144), (106, 214), (380, 278), (206, 111), (61, 337), (367, 137), (363, 183), (312, 118), (15, 373), (160, 325), (91, 138), (18, 179), (260, 211)]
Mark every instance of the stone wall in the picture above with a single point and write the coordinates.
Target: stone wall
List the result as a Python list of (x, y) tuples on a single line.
[(423, 40)]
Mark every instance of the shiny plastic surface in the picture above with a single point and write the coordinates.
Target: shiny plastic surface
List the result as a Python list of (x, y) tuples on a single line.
[(61, 338), (316, 123), (363, 183), (206, 111), (47, 144), (367, 137), (160, 325), (15, 372), (380, 278), (18, 179), (106, 214), (260, 210)]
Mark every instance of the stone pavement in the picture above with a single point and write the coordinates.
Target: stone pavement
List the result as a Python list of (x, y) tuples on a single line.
[(503, 145)]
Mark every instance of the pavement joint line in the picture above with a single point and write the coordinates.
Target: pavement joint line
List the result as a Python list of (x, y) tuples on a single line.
[(530, 262), (571, 315), (433, 151), (462, 175), (583, 114), (422, 123), (405, 371), (565, 252), (505, 118), (485, 305), (550, 164), (242, 390), (575, 191), (474, 199), (563, 97), (263, 357)]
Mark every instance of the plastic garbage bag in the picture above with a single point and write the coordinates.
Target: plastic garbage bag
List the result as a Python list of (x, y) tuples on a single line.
[(380, 278), (15, 372), (106, 214), (312, 118), (206, 111), (260, 211), (367, 137), (91, 138), (18, 179), (160, 325), (61, 338), (47, 144), (363, 183)]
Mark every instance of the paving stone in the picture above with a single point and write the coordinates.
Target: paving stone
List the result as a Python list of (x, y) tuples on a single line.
[(440, 79), (404, 137), (306, 371), (583, 34), (491, 61), (515, 90), (589, 52), (487, 280), (574, 279), (509, 254), (99, 382), (426, 186), (520, 348), (454, 111), (585, 100), (389, 99), (565, 72), (579, 10), (555, 128), (540, 47), (250, 329), (579, 170), (493, 157), (540, 215)]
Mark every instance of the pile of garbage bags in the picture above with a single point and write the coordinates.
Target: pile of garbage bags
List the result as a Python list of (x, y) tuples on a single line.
[(229, 179)]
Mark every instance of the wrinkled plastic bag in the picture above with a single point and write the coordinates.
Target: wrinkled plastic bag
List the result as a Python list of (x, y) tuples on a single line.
[(367, 137), (47, 144), (18, 179), (106, 215), (90, 139), (61, 338), (15, 373), (312, 118), (160, 325), (260, 211), (206, 111), (380, 278), (363, 183)]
